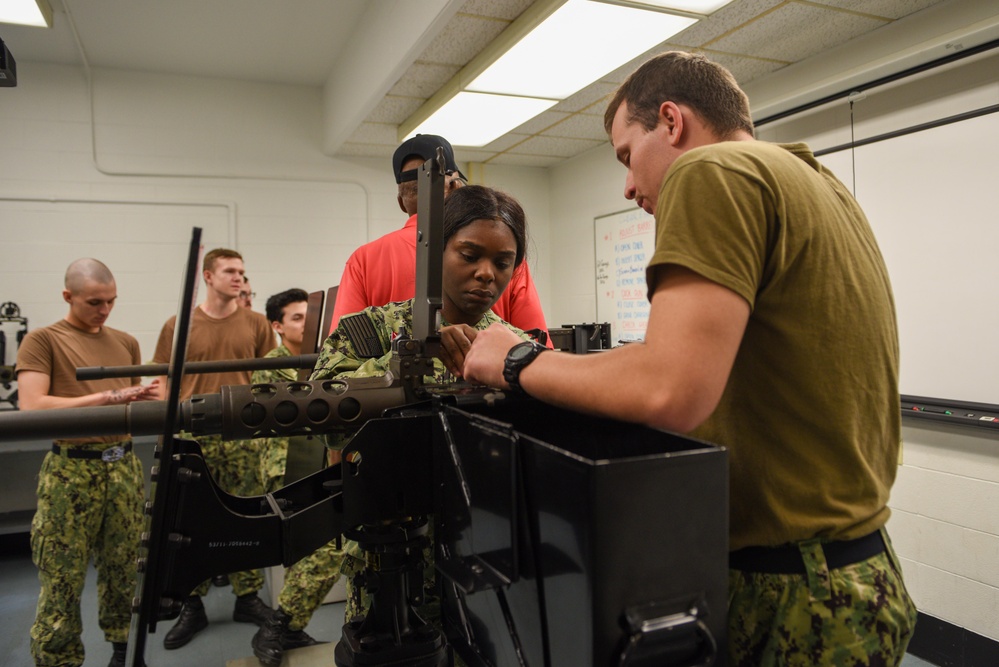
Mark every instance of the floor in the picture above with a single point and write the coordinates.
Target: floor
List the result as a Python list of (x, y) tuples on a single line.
[(223, 643)]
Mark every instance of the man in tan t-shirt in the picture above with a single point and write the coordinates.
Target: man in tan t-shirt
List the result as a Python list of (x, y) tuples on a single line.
[(90, 489), (220, 330)]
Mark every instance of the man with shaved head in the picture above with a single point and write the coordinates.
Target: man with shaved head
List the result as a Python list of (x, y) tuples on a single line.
[(90, 489)]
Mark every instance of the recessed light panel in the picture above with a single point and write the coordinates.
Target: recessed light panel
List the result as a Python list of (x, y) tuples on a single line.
[(575, 46), (26, 12), (476, 119)]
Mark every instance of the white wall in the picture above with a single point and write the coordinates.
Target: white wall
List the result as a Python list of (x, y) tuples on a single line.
[(582, 188), (166, 153)]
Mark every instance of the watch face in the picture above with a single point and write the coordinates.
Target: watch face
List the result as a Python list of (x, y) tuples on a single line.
[(521, 350)]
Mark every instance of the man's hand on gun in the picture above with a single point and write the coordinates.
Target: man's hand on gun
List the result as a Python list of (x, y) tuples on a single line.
[(149, 392)]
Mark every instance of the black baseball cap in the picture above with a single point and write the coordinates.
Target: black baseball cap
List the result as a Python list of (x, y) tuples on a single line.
[(423, 146)]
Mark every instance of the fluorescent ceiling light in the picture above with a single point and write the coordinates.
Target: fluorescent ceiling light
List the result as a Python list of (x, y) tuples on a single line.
[(475, 119), (26, 12), (578, 44), (553, 50)]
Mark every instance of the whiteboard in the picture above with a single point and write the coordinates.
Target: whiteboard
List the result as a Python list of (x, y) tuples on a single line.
[(623, 246), (932, 198)]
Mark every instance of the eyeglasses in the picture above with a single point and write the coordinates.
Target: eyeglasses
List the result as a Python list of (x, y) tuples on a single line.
[(243, 295)]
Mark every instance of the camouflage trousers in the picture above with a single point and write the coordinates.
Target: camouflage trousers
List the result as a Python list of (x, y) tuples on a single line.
[(87, 508), (235, 467), (860, 614), (353, 566), (273, 460), (308, 582)]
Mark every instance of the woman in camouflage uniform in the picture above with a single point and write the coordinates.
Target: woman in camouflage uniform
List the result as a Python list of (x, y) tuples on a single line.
[(485, 239)]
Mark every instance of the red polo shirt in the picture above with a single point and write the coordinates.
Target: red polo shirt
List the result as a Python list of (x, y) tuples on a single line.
[(384, 270)]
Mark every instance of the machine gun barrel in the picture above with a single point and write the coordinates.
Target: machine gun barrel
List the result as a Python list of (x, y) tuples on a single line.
[(142, 418), (224, 366), (236, 412)]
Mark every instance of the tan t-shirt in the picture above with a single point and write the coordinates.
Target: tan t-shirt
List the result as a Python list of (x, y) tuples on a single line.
[(243, 335), (810, 413), (59, 349)]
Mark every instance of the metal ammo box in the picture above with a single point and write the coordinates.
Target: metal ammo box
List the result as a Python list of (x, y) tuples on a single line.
[(569, 540)]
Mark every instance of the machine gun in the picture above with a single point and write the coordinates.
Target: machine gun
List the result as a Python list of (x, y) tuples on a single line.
[(560, 539)]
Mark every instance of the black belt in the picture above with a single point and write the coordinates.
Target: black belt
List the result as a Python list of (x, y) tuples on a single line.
[(786, 559), (108, 455)]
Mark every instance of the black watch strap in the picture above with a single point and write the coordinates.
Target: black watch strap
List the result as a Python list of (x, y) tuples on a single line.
[(517, 359)]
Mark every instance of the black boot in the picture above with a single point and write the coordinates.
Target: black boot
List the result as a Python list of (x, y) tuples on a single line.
[(119, 655), (274, 638), (251, 609), (192, 621)]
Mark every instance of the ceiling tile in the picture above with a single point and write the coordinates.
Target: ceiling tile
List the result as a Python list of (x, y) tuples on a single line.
[(892, 9), (423, 80), (395, 109), (505, 142), (587, 98), (542, 145), (462, 39), (579, 126), (462, 154), (744, 68), (728, 18), (541, 122), (804, 31), (525, 160), (501, 9)]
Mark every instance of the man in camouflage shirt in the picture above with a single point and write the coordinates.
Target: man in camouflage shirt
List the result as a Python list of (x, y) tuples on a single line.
[(286, 313), (308, 581)]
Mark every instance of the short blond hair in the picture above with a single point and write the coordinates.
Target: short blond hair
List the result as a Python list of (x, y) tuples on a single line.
[(218, 253)]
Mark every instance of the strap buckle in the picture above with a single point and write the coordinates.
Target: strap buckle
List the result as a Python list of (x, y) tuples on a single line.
[(112, 454)]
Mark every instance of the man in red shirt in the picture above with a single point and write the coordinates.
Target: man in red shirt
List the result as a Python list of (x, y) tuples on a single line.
[(384, 270)]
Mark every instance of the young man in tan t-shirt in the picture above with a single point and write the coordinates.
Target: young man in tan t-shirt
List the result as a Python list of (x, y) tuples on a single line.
[(220, 330), (90, 490)]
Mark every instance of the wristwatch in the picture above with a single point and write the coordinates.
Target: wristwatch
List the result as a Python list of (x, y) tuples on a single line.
[(517, 359)]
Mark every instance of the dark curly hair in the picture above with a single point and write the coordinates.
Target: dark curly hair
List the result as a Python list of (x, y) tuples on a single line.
[(277, 302)]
